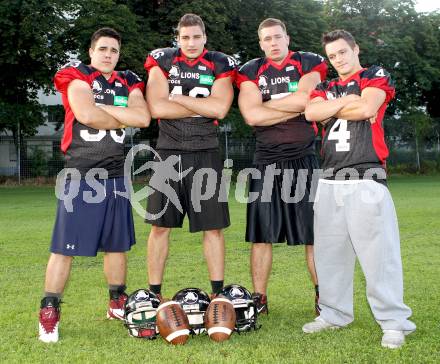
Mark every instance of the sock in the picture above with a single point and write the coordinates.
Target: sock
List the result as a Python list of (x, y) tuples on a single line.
[(317, 290), (51, 299), (216, 286), (155, 288), (116, 290)]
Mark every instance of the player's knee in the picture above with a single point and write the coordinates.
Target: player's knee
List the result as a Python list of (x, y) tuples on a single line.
[(60, 258), (214, 234), (159, 231)]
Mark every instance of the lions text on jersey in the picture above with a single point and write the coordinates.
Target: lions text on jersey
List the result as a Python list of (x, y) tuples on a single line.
[(86, 147), (190, 78), (295, 137)]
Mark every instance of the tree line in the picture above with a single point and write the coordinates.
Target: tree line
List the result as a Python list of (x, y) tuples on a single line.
[(37, 37)]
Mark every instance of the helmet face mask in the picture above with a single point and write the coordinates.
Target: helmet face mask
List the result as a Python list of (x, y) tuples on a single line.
[(194, 302), (244, 307), (140, 314)]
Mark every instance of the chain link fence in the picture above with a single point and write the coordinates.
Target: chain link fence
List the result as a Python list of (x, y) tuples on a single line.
[(41, 157)]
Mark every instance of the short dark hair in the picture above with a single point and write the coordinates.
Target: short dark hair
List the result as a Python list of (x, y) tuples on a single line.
[(190, 20), (105, 32), (334, 35), (271, 22)]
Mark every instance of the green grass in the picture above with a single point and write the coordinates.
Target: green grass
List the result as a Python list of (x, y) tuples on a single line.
[(26, 221)]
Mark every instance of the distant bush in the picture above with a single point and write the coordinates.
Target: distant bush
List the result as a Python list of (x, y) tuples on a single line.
[(38, 163)]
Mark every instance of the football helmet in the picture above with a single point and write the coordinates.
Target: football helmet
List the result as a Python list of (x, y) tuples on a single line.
[(244, 307), (140, 314), (194, 302)]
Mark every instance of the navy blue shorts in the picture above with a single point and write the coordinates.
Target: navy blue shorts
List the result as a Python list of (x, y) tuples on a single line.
[(85, 228)]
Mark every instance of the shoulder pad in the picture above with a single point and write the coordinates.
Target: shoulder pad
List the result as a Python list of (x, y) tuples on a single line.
[(78, 65)]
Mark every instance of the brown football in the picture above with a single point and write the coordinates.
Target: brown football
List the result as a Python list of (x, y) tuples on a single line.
[(172, 323), (220, 319)]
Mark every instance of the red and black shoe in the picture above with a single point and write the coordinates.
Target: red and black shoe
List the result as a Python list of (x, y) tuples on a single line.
[(49, 320), (260, 301), (116, 307)]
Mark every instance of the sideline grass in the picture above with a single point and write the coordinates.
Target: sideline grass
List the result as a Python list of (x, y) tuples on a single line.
[(26, 221)]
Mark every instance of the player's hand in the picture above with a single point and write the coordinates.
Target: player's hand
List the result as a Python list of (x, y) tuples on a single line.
[(373, 119)]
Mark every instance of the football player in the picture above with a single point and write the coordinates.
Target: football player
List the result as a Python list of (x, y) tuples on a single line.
[(189, 88), (354, 211), (98, 102), (273, 93)]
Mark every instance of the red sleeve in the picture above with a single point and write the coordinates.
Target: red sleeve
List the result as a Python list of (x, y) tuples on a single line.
[(242, 78), (64, 76), (322, 69), (381, 83), (150, 62), (231, 73), (249, 72), (376, 76), (139, 85), (133, 81), (318, 93)]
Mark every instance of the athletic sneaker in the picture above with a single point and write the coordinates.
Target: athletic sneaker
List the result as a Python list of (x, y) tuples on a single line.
[(49, 320), (319, 324), (116, 307), (260, 301), (393, 339)]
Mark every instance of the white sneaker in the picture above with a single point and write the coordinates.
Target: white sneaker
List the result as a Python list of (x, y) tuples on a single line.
[(319, 324), (48, 324), (393, 339)]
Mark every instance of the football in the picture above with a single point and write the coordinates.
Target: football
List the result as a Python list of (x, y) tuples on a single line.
[(172, 323), (220, 319)]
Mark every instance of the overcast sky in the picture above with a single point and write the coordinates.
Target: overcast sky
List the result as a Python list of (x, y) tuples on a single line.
[(427, 5)]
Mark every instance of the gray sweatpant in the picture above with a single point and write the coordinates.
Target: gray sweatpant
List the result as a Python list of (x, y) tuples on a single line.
[(357, 219)]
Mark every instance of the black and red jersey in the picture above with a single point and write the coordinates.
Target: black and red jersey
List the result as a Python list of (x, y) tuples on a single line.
[(355, 144), (190, 78), (83, 146), (293, 138)]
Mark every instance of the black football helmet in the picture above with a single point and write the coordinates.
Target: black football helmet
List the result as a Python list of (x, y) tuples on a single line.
[(244, 307), (194, 302), (140, 314)]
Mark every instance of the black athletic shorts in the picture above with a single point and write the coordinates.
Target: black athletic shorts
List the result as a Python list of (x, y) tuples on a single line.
[(188, 184), (282, 213)]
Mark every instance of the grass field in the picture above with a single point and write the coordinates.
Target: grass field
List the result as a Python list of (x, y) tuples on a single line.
[(26, 221)]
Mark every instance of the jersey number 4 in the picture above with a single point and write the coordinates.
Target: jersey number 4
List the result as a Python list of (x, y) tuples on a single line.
[(340, 133)]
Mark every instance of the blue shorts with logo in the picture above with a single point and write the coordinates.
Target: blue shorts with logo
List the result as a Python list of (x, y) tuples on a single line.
[(97, 219)]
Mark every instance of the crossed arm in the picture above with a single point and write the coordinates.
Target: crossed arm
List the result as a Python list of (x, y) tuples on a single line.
[(174, 106), (350, 107), (106, 117), (296, 102), (259, 113)]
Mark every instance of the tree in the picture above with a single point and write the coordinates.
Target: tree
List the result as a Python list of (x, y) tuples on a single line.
[(392, 34), (32, 34), (94, 14), (303, 20)]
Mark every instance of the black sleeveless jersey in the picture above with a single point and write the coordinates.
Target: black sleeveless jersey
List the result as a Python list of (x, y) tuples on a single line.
[(355, 144), (83, 146), (190, 78), (295, 137)]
